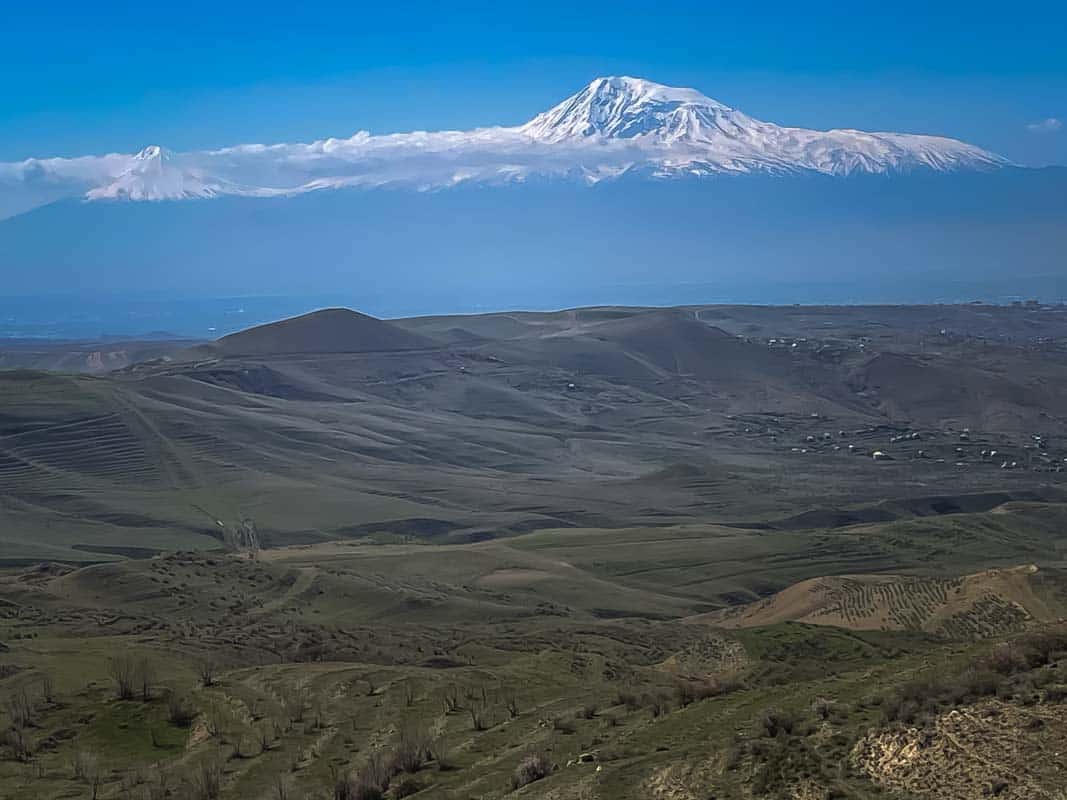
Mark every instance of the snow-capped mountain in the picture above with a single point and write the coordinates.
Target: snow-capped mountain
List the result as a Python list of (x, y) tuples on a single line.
[(681, 130), (155, 174), (614, 126)]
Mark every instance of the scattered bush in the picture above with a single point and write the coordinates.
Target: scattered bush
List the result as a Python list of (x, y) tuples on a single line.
[(1056, 694), (775, 722), (532, 768), (439, 752), (563, 725), (82, 764), (411, 751), (20, 709), (511, 703), (657, 702), (628, 699), (822, 708), (206, 781), (123, 671), (406, 787), (478, 713), (179, 711), (48, 688), (17, 744), (207, 670), (146, 676)]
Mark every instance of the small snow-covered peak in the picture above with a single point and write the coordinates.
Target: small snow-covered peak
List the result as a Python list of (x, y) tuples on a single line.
[(155, 174), (622, 107)]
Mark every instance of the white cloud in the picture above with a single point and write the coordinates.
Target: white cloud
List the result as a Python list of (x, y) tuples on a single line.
[(1050, 125)]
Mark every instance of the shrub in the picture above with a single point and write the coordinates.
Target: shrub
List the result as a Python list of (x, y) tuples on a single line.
[(1056, 694), (16, 743), (822, 707), (146, 676), (179, 711), (207, 670), (511, 703), (656, 702), (1005, 659), (532, 768), (776, 722), (477, 713), (563, 725), (48, 688), (20, 709), (628, 699), (411, 751), (82, 764), (439, 752), (451, 698), (406, 787), (206, 781)]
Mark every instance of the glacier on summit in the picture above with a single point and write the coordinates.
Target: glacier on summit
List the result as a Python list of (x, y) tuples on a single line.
[(613, 127)]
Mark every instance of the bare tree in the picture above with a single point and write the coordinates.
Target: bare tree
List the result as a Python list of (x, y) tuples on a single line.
[(411, 751), (123, 671), (511, 703), (19, 707), (16, 741), (48, 688), (295, 703), (265, 737), (95, 781), (451, 700), (477, 713), (146, 676), (206, 780), (86, 768)]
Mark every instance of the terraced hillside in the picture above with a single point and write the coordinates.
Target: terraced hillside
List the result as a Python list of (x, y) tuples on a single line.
[(971, 606)]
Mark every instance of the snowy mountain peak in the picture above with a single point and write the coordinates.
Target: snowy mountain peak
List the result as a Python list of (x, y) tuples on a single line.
[(640, 90), (152, 153), (624, 108), (155, 174)]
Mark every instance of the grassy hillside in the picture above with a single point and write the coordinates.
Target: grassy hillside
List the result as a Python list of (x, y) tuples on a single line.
[(313, 669)]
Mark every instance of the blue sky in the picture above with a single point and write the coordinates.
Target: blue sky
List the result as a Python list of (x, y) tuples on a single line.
[(81, 77)]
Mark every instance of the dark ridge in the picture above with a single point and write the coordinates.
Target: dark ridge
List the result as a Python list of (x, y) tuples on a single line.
[(331, 330)]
